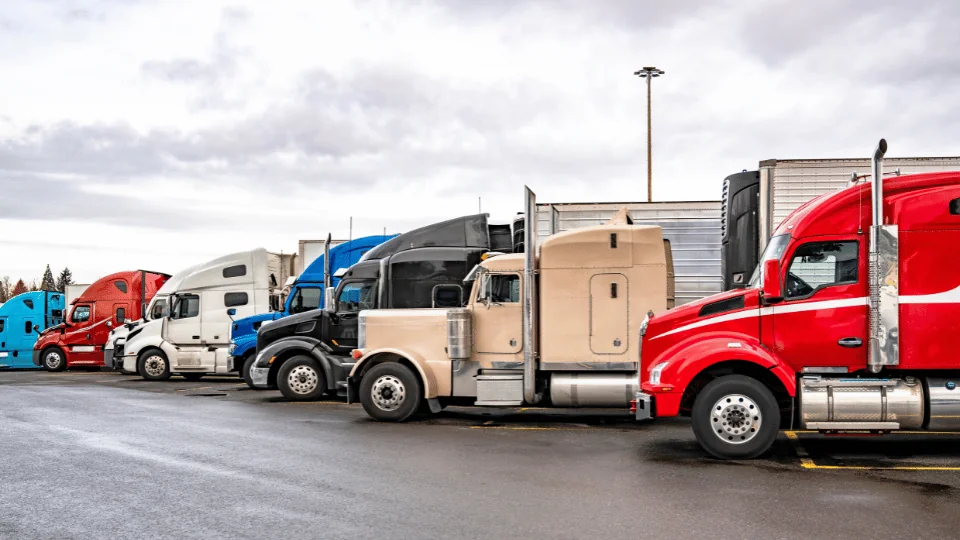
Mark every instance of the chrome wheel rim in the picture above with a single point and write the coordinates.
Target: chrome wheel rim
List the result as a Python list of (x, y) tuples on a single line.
[(52, 360), (388, 393), (154, 365), (303, 379), (735, 419)]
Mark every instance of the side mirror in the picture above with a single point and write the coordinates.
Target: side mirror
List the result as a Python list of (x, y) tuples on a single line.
[(771, 282), (231, 312), (329, 300), (36, 329)]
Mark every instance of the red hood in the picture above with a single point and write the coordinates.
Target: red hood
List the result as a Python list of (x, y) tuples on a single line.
[(680, 315)]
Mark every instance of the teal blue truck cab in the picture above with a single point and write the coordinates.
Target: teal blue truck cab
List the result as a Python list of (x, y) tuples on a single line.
[(22, 318), (305, 294)]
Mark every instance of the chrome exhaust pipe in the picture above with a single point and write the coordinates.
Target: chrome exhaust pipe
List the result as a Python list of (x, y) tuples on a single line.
[(876, 360), (530, 395), (327, 276)]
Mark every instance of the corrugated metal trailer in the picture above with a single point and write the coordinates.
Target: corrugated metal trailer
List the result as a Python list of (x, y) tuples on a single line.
[(785, 184), (693, 229)]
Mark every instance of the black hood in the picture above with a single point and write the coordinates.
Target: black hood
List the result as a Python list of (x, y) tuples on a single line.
[(271, 331)]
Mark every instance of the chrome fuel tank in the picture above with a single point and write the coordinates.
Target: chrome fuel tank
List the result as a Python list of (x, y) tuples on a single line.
[(826, 402), (593, 389)]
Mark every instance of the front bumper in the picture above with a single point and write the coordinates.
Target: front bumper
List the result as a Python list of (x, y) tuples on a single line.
[(230, 363), (36, 358), (113, 358), (643, 407), (260, 377)]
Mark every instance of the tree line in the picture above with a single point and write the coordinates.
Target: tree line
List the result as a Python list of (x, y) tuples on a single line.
[(9, 289)]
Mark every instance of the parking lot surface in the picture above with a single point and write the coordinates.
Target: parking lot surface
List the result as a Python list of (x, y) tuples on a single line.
[(102, 455)]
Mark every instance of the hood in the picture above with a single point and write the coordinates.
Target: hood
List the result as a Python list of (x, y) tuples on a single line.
[(250, 325), (271, 331), (709, 306)]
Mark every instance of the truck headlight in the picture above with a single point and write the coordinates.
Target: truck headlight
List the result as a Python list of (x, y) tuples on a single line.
[(656, 371), (231, 348)]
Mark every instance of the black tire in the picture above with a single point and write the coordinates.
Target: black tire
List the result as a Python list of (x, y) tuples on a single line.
[(725, 418), (192, 376), (52, 359), (245, 369), (301, 378), (379, 388), (153, 365)]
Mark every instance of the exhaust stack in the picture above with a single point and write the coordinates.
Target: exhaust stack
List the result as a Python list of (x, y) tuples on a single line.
[(327, 276), (883, 275), (530, 353)]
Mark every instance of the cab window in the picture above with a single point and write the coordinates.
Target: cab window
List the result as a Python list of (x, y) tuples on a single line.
[(306, 299), (1, 324), (121, 315), (501, 288), (820, 264), (27, 327), (80, 314), (357, 296), (187, 306), (447, 296)]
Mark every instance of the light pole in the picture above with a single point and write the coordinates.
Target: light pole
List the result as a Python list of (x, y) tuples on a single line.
[(649, 73)]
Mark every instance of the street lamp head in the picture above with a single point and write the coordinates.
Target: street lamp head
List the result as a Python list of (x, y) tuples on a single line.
[(649, 71)]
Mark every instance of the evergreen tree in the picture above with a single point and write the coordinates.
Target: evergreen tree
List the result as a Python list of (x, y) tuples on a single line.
[(47, 284), (65, 278), (33, 286), (4, 289), (19, 288)]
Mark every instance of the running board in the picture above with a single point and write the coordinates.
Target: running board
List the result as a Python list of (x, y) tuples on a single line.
[(498, 403), (853, 426)]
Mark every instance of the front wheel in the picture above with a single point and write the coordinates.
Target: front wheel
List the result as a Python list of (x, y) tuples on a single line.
[(736, 417), (245, 370), (54, 360), (390, 392), (301, 379), (153, 365)]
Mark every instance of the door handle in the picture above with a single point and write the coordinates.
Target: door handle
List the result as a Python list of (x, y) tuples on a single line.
[(196, 337), (850, 342)]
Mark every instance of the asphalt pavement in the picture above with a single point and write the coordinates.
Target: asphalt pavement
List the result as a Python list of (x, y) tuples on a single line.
[(104, 455)]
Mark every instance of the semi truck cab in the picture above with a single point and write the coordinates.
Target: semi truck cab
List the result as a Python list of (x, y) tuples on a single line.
[(22, 318), (845, 327)]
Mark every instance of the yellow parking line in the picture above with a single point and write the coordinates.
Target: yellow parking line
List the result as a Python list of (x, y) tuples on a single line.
[(808, 463)]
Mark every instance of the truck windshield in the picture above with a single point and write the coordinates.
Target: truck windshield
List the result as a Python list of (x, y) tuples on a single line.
[(357, 296), (774, 250), (305, 299), (159, 310)]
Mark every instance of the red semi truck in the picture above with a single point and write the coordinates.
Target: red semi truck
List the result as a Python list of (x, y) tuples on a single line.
[(849, 325), (109, 301)]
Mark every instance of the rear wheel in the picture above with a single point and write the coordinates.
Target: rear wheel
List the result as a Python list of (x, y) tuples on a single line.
[(54, 359), (390, 392), (736, 417), (301, 379), (153, 365)]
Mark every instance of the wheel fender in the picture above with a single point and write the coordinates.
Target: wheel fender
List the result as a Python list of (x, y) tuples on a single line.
[(700, 354), (285, 345), (171, 352), (429, 383)]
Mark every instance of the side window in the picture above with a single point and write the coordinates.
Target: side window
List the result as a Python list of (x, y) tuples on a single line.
[(306, 299), (820, 264), (1, 324), (502, 288), (447, 296), (186, 307), (27, 327), (121, 315), (235, 271), (231, 299), (80, 314), (121, 286), (357, 296), (955, 207), (29, 303)]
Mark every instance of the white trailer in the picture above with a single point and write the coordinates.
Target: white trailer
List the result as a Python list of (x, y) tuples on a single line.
[(308, 252), (193, 338), (785, 184), (72, 292), (693, 229)]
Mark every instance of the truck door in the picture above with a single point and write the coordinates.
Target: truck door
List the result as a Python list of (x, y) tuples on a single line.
[(27, 339), (822, 320), (79, 338), (183, 329), (608, 314), (352, 298), (498, 325)]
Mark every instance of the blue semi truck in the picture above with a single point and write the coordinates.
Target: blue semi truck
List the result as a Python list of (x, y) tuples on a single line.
[(305, 294), (22, 318)]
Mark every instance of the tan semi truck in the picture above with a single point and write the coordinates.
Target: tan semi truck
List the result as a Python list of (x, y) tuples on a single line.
[(571, 339)]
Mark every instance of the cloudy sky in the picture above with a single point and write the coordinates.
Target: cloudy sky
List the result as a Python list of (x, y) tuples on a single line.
[(158, 134)]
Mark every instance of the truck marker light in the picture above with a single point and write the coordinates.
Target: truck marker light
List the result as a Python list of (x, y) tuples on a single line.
[(356, 354), (272, 358), (335, 342), (734, 345)]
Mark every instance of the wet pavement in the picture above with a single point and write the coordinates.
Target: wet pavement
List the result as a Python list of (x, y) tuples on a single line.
[(103, 455)]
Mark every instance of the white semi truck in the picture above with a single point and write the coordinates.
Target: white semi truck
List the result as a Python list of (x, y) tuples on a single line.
[(193, 337)]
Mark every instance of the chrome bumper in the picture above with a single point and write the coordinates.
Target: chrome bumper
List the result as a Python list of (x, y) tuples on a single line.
[(644, 406), (230, 363), (259, 376)]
